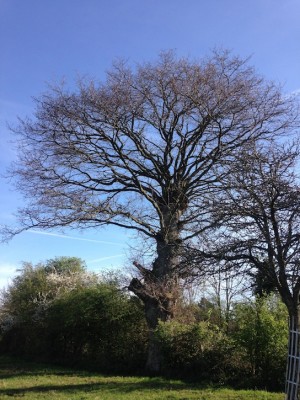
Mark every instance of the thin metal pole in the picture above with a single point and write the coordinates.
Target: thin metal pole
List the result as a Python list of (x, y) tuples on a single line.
[(293, 364)]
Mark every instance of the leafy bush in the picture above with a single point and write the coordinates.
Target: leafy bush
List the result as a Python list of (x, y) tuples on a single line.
[(57, 311), (25, 302), (261, 334), (251, 354), (199, 351), (98, 326)]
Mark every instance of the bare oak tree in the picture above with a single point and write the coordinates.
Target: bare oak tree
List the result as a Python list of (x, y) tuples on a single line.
[(260, 229), (140, 151)]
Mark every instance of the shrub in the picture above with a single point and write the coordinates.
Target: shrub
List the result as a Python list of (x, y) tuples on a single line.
[(261, 335), (100, 327), (57, 311), (199, 351)]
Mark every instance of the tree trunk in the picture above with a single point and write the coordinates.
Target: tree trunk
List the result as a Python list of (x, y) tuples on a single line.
[(293, 362), (154, 314), (159, 287), (154, 356), (159, 291)]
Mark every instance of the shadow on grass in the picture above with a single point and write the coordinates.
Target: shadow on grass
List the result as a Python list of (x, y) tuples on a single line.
[(111, 386), (7, 374), (10, 368)]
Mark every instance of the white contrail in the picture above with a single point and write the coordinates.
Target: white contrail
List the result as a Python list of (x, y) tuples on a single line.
[(104, 258), (74, 237)]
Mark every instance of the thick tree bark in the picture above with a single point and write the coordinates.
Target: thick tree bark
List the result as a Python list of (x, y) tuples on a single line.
[(154, 314), (292, 388), (159, 288), (159, 292)]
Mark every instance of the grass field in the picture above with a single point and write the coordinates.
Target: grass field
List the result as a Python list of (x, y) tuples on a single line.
[(20, 380)]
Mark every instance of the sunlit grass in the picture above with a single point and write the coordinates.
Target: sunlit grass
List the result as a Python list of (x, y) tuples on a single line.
[(21, 380)]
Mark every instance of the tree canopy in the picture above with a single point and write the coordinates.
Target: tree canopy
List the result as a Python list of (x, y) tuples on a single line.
[(145, 141)]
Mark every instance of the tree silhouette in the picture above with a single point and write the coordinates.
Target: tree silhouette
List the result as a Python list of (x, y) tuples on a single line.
[(144, 151)]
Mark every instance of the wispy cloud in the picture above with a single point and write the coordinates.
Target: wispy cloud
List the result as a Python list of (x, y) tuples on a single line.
[(296, 92), (74, 237), (7, 272), (293, 94)]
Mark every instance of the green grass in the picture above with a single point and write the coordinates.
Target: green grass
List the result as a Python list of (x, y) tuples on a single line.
[(20, 380)]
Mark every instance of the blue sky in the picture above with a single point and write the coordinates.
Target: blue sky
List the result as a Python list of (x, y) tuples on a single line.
[(50, 40)]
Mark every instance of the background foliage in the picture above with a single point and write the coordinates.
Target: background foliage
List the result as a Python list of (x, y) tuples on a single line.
[(58, 312)]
